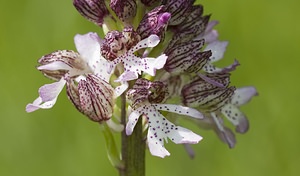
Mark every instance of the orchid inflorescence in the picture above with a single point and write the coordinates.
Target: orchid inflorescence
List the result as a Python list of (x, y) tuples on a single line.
[(160, 55)]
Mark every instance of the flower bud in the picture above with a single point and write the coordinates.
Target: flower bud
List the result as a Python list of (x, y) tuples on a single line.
[(186, 57), (92, 10), (124, 9), (154, 22), (207, 96), (194, 24), (117, 43), (178, 9), (93, 97)]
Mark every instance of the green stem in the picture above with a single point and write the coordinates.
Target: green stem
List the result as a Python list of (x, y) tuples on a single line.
[(133, 147)]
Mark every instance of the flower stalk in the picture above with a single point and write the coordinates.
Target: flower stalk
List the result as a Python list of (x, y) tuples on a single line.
[(133, 147)]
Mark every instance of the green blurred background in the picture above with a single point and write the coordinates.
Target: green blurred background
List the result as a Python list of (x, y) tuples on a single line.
[(264, 36)]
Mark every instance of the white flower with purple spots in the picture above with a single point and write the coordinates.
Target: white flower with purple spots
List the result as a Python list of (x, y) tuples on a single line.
[(160, 129), (231, 110), (66, 65), (135, 65), (232, 113)]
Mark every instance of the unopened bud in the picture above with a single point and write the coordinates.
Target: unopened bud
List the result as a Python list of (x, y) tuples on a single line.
[(93, 97), (154, 22), (207, 96), (186, 57), (178, 9), (124, 9), (92, 10)]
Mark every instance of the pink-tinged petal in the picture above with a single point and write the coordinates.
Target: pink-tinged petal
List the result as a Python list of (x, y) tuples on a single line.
[(151, 41), (218, 49), (236, 117), (48, 96), (179, 110), (211, 81), (34, 106), (243, 95), (225, 134), (210, 26), (133, 119), (49, 92), (211, 35), (210, 68), (189, 150)]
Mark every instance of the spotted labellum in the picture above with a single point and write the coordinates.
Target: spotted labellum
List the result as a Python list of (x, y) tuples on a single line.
[(156, 60)]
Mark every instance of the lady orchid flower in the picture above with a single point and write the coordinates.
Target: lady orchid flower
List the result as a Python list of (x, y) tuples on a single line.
[(134, 65), (216, 99), (146, 97), (85, 75)]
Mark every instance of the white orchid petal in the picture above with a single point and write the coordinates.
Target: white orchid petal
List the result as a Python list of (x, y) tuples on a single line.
[(151, 41), (120, 89), (179, 110), (160, 129), (48, 96), (48, 92), (34, 106), (57, 65), (156, 147), (134, 66), (211, 36), (88, 45), (133, 119), (236, 117), (243, 95), (150, 65), (218, 49), (127, 76), (184, 136)]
